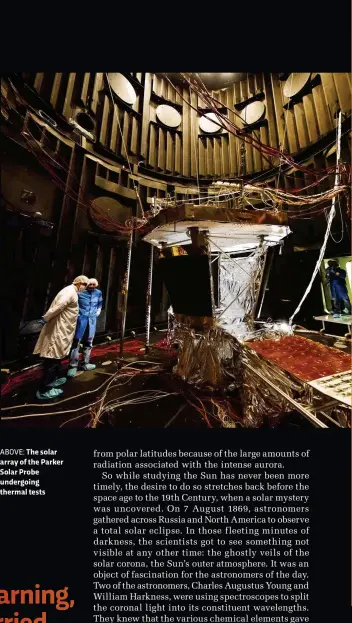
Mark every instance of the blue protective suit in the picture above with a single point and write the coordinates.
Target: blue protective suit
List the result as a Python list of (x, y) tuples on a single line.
[(90, 303), (339, 293)]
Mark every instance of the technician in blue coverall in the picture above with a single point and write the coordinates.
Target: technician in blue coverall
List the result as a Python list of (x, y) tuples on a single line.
[(336, 277), (90, 304)]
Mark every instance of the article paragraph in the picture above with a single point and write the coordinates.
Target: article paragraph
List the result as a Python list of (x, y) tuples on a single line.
[(217, 536)]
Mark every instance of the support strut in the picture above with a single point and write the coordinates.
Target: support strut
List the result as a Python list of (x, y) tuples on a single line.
[(149, 299), (126, 284)]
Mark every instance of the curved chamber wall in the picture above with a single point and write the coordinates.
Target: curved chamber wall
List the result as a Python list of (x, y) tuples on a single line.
[(185, 151), (85, 138)]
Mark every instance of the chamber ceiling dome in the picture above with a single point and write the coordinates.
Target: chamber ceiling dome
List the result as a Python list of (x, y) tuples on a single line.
[(215, 81), (212, 81)]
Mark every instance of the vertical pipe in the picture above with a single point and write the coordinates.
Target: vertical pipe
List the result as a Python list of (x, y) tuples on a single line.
[(125, 291), (211, 279), (219, 256), (149, 299), (267, 270), (258, 276)]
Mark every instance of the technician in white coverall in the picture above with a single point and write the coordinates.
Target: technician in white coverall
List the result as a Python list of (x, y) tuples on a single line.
[(55, 339)]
